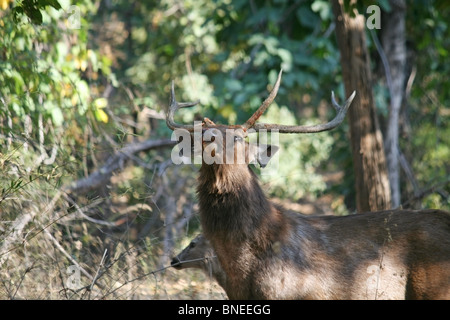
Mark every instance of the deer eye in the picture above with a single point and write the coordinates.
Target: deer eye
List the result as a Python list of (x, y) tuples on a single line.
[(238, 138)]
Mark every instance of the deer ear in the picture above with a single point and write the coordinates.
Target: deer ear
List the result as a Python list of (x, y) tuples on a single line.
[(262, 153)]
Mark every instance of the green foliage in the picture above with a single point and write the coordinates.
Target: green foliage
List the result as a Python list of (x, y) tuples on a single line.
[(47, 80), (73, 92), (32, 9), (225, 53), (428, 126), (298, 158)]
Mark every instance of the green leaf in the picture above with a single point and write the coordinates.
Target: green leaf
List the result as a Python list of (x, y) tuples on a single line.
[(52, 3), (100, 103), (323, 8), (286, 58), (57, 116), (385, 5), (101, 115), (233, 85), (33, 13), (307, 18), (17, 13)]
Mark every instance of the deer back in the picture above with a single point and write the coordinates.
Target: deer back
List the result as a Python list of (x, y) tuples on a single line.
[(268, 252)]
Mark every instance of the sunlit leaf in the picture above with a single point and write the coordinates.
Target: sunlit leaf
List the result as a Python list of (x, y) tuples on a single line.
[(100, 103), (101, 115)]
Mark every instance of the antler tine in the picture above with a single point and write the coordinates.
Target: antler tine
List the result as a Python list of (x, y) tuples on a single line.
[(315, 128), (174, 106), (251, 121)]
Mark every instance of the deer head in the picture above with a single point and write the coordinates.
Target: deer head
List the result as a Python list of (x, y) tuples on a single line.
[(197, 254), (226, 144)]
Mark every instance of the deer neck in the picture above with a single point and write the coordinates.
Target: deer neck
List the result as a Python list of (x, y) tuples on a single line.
[(234, 208)]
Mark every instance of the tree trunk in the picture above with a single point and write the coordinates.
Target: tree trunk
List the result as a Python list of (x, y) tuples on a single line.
[(371, 179), (394, 47)]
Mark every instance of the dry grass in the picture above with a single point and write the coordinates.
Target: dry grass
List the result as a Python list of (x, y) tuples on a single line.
[(40, 269), (119, 238)]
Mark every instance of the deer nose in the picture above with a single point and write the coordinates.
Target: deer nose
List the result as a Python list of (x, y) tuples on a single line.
[(175, 263)]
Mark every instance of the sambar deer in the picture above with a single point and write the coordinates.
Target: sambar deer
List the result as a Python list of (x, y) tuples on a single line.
[(199, 254), (268, 252)]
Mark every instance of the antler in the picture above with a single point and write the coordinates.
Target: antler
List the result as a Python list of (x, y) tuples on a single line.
[(296, 129), (174, 106), (314, 128), (251, 122)]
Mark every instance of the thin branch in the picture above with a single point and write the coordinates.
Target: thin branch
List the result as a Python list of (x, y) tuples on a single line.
[(98, 177), (98, 269), (66, 254), (424, 192), (384, 60), (137, 278), (19, 224), (410, 81), (84, 216), (28, 269), (409, 172)]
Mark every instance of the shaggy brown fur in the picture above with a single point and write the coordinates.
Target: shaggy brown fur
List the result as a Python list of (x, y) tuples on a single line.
[(270, 253)]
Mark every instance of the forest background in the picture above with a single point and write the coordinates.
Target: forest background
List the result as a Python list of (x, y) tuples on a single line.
[(92, 206)]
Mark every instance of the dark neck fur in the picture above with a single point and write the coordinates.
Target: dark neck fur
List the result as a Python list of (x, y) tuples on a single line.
[(233, 207)]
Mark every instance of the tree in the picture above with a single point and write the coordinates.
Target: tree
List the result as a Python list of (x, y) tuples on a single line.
[(371, 178), (394, 59)]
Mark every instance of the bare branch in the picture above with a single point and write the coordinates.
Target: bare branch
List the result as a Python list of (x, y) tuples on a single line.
[(96, 178), (9, 243)]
